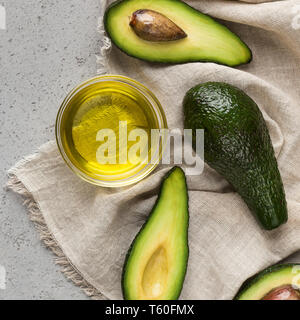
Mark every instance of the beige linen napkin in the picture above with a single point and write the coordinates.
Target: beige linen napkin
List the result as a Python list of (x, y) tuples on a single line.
[(90, 228)]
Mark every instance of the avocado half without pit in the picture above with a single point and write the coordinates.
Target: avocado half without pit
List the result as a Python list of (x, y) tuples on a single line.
[(156, 263), (280, 282), (170, 31)]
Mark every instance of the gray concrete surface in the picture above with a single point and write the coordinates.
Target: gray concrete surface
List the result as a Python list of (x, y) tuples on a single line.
[(49, 47)]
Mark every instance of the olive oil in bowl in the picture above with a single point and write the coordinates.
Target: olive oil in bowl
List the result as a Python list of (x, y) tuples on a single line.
[(104, 127)]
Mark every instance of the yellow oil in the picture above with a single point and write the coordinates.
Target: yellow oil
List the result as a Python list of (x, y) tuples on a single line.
[(99, 106)]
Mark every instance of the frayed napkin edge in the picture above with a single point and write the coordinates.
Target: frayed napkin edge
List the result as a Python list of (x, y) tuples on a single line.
[(102, 58), (16, 185)]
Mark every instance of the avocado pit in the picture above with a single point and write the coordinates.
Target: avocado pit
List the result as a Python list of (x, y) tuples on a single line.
[(285, 292), (153, 26)]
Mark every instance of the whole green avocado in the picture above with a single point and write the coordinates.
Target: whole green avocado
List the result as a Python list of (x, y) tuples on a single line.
[(238, 146)]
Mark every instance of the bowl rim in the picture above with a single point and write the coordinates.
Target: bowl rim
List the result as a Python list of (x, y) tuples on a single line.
[(159, 114)]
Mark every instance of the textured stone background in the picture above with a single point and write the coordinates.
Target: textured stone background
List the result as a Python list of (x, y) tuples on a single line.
[(48, 48)]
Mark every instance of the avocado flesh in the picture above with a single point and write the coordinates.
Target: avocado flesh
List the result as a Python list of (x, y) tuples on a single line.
[(238, 146), (156, 263), (207, 40), (258, 286)]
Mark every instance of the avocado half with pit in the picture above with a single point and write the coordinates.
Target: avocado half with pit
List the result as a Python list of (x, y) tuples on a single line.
[(279, 282), (156, 263), (171, 31)]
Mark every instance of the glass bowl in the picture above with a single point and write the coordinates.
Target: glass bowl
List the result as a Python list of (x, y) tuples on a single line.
[(103, 88)]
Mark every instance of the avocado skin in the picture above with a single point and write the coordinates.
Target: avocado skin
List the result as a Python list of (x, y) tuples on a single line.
[(179, 61), (238, 146), (254, 279), (176, 296)]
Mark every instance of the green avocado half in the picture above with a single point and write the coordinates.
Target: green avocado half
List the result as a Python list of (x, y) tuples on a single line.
[(206, 39), (279, 282), (156, 263)]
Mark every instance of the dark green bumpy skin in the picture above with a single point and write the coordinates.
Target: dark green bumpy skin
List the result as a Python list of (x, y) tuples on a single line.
[(238, 146)]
